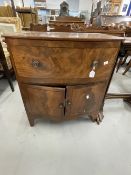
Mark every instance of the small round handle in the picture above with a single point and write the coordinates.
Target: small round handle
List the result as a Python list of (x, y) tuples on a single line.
[(35, 63), (61, 106), (68, 103)]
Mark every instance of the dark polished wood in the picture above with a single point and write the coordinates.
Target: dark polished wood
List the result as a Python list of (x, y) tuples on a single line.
[(63, 76), (107, 20), (128, 31), (84, 100), (38, 27), (45, 101)]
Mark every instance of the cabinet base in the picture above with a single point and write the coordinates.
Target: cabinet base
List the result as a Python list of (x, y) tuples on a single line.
[(96, 117)]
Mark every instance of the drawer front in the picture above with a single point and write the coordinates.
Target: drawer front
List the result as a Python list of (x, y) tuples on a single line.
[(44, 101), (84, 100), (64, 63)]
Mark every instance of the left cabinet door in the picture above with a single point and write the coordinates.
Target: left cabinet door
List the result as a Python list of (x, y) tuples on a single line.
[(44, 101)]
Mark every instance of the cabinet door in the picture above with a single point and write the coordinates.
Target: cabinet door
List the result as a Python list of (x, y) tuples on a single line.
[(84, 100), (45, 101)]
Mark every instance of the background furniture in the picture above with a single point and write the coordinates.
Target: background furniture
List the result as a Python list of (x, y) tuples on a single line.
[(126, 48), (7, 24), (52, 22), (5, 68), (6, 11), (66, 20), (126, 52), (27, 16), (61, 28), (63, 76), (107, 20), (38, 27)]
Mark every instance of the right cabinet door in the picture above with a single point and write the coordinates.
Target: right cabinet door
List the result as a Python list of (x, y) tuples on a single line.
[(84, 99)]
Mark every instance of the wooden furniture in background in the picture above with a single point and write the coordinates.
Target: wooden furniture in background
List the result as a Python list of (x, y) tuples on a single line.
[(27, 16), (128, 32), (13, 7), (127, 47), (38, 27), (7, 24), (52, 22), (61, 28), (6, 11), (66, 20), (83, 29), (63, 76), (107, 20), (128, 67), (64, 9), (5, 68), (104, 30)]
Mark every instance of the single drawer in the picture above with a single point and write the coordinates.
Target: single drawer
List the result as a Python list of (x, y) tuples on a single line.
[(64, 63)]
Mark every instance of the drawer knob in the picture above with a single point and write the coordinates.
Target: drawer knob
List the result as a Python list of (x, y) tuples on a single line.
[(61, 106), (94, 64), (68, 103), (35, 63)]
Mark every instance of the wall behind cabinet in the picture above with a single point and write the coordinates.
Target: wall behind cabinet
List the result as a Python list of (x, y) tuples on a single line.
[(73, 5)]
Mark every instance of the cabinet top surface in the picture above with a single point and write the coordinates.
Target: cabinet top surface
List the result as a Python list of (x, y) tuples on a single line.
[(63, 36)]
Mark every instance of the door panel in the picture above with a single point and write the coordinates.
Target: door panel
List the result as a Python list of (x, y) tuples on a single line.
[(46, 101), (84, 99)]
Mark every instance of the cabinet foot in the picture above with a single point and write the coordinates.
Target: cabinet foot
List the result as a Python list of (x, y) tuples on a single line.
[(31, 121), (97, 117)]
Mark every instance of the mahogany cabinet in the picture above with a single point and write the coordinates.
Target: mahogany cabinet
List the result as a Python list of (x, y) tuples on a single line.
[(63, 76)]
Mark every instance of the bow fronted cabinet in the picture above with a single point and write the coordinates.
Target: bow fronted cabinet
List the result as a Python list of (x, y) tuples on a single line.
[(63, 76)]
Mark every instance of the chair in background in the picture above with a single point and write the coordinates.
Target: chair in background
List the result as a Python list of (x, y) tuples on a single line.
[(7, 24), (127, 68), (125, 52), (5, 67)]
